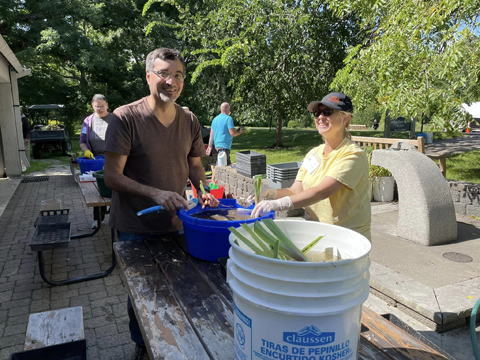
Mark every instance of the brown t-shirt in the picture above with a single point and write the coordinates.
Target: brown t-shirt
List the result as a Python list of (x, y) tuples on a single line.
[(157, 157)]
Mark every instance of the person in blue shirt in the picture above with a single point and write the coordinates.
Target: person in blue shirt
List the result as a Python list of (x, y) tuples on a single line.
[(222, 132)]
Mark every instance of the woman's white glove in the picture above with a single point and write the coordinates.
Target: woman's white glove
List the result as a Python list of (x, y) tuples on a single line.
[(264, 207), (266, 194)]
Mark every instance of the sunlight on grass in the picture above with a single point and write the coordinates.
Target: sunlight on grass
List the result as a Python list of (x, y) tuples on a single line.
[(40, 165), (464, 167)]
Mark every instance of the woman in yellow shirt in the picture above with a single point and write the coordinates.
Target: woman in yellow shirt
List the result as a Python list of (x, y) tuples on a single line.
[(332, 184)]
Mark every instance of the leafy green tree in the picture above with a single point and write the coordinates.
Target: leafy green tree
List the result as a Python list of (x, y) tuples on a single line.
[(367, 115), (78, 48), (267, 57), (421, 58)]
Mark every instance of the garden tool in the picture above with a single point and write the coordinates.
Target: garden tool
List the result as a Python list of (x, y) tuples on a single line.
[(191, 204)]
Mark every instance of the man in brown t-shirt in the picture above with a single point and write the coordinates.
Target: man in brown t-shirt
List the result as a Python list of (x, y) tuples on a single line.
[(152, 147)]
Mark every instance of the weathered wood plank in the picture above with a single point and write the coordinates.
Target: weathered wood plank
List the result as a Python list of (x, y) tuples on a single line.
[(214, 275), (395, 342), (193, 305), (419, 142), (54, 327), (208, 314), (367, 351), (91, 195), (165, 328)]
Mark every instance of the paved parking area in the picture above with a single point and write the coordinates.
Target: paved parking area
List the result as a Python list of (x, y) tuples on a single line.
[(23, 292)]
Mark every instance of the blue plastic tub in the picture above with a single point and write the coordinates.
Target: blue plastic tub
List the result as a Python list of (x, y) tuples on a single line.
[(208, 239), (91, 164), (422, 135)]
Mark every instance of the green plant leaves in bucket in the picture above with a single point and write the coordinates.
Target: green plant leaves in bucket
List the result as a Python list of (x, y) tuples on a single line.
[(267, 239)]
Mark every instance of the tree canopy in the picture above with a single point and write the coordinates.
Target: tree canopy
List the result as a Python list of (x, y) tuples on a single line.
[(269, 59), (420, 58), (78, 48)]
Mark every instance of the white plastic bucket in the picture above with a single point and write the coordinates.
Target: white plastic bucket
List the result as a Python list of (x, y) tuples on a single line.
[(222, 158), (383, 188), (298, 310)]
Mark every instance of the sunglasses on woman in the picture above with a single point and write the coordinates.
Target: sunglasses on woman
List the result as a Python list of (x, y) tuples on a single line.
[(324, 112)]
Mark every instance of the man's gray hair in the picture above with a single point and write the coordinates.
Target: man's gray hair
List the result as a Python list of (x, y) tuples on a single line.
[(164, 54), (97, 97)]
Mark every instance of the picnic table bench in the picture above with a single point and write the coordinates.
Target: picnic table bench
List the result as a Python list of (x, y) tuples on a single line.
[(185, 308), (419, 143), (357, 127), (53, 335), (93, 199)]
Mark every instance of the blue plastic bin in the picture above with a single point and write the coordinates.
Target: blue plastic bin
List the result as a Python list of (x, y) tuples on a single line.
[(422, 135), (208, 239), (91, 164)]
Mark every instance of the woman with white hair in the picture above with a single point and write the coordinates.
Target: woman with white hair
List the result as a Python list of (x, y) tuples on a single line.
[(332, 183), (94, 127)]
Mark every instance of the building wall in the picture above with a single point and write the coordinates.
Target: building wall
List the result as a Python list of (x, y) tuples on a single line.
[(11, 138)]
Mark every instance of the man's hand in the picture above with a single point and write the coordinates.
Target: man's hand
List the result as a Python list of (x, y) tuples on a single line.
[(266, 206), (212, 201), (88, 154), (169, 200), (27, 140), (266, 194)]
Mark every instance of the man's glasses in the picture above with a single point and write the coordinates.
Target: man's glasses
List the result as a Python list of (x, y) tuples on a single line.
[(324, 112), (164, 75)]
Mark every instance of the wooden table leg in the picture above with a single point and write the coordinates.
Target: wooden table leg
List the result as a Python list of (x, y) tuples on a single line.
[(443, 166)]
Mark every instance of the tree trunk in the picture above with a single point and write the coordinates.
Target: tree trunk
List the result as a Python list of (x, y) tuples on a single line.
[(386, 129), (278, 127)]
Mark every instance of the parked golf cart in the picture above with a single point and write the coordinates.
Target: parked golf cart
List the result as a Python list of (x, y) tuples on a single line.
[(45, 136)]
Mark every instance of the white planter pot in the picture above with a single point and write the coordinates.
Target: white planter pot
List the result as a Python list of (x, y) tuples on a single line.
[(370, 190), (383, 188), (429, 139)]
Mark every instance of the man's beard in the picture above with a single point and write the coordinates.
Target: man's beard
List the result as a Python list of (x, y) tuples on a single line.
[(167, 99)]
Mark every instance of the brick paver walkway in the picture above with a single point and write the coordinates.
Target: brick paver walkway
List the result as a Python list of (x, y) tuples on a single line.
[(23, 292)]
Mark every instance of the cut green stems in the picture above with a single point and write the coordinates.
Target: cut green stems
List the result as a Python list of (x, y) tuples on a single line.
[(275, 249), (202, 189), (283, 238), (247, 242), (257, 187), (312, 244), (294, 254), (255, 237)]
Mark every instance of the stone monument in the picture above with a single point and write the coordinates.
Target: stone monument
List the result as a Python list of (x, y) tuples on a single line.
[(426, 212)]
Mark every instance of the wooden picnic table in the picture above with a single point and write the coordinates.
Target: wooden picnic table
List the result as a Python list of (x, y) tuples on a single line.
[(442, 161), (185, 308), (93, 199)]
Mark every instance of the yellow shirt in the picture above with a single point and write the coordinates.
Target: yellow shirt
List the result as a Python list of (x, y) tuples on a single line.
[(350, 206)]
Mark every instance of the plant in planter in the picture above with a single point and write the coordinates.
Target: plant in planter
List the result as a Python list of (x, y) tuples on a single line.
[(75, 155), (381, 179)]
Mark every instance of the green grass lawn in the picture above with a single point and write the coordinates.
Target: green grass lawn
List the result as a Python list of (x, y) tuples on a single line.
[(297, 142), (464, 167), (45, 160)]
